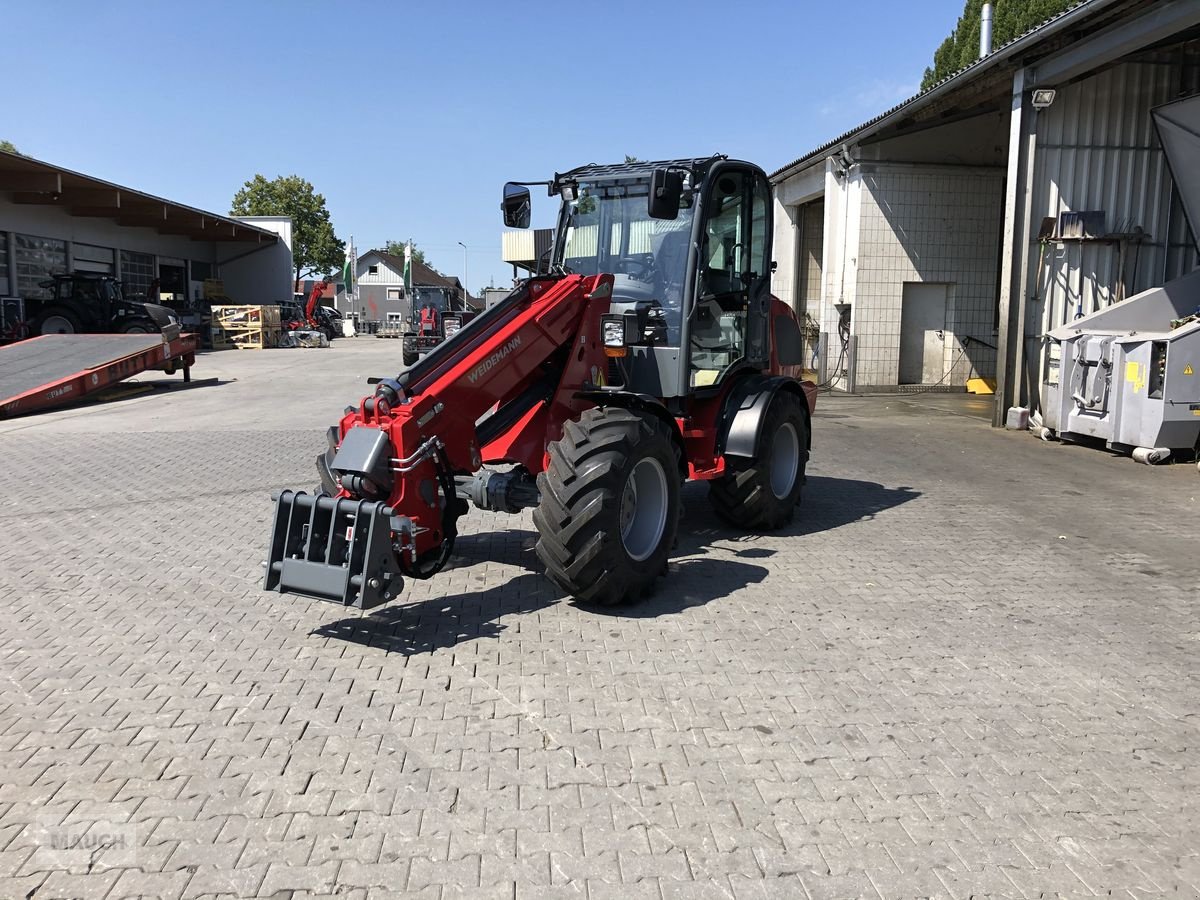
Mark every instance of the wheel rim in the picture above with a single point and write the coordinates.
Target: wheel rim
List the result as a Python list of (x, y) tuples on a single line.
[(644, 509), (785, 460), (57, 325)]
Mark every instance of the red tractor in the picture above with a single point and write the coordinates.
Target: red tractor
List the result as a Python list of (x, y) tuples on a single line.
[(652, 353)]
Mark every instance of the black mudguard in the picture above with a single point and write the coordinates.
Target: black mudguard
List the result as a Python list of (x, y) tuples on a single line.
[(746, 409)]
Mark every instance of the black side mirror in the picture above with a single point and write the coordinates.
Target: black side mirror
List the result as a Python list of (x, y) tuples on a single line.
[(516, 206), (666, 187)]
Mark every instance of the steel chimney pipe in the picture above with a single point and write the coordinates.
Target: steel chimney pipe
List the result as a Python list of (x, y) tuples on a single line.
[(985, 31)]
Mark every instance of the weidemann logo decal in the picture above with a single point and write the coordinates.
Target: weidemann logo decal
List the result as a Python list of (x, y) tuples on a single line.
[(494, 360)]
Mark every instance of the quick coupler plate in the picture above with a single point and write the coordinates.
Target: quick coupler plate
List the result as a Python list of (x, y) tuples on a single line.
[(333, 549)]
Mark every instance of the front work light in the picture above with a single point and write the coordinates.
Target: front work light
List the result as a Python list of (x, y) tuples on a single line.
[(613, 331), (451, 325)]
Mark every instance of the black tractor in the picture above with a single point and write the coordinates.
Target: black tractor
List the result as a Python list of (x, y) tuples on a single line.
[(83, 303)]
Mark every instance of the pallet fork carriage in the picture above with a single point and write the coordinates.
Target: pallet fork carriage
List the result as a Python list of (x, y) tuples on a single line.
[(652, 353)]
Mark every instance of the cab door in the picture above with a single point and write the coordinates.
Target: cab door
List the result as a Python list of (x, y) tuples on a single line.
[(728, 326)]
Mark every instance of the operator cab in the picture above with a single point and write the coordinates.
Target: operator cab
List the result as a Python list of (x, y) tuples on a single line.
[(687, 243)]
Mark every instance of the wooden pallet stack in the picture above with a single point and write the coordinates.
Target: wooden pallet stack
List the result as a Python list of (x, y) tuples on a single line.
[(245, 327)]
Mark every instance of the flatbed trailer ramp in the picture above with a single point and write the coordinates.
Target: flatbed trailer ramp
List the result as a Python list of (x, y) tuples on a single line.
[(57, 369)]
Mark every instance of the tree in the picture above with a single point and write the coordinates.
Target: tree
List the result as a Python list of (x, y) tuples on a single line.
[(1010, 19), (9, 147), (396, 248), (633, 159), (315, 248)]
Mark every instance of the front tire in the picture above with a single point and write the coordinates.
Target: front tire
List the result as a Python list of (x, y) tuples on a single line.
[(609, 505), (763, 495)]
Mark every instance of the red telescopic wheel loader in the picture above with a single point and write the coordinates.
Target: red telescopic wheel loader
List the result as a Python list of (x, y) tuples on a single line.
[(650, 354)]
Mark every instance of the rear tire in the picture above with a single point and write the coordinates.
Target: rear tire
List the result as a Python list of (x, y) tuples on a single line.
[(409, 358), (763, 495), (57, 320), (138, 328), (609, 505)]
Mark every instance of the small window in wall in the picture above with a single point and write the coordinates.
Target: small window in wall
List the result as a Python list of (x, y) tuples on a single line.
[(395, 317), (137, 271), (373, 270), (395, 293), (4, 286), (38, 258)]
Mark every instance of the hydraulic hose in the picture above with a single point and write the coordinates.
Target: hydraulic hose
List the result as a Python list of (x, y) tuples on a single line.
[(450, 514)]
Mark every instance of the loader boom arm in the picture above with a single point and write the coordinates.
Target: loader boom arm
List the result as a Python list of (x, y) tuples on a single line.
[(310, 308), (497, 391)]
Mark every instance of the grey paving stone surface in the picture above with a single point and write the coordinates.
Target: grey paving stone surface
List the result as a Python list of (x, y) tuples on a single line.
[(969, 668)]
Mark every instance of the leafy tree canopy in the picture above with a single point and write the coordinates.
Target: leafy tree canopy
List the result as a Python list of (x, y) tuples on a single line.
[(396, 248), (315, 247), (1010, 19), (9, 147)]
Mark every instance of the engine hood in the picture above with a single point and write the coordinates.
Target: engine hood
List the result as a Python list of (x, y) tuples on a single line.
[(159, 314)]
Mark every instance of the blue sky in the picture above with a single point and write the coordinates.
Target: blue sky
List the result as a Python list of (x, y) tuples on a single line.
[(409, 117)]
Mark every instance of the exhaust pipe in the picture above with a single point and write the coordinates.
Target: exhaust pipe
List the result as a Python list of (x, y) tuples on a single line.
[(985, 31)]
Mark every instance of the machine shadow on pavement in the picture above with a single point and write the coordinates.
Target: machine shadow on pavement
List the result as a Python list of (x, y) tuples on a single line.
[(830, 503), (443, 622)]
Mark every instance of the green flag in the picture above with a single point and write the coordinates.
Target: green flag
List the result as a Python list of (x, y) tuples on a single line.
[(348, 269)]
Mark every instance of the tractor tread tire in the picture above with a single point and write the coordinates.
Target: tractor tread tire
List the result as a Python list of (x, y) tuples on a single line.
[(743, 497), (578, 515), (62, 312)]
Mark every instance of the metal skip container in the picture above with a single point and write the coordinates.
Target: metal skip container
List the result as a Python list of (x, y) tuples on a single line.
[(1130, 374)]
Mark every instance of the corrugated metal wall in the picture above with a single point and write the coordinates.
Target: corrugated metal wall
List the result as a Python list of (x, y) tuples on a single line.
[(1097, 150)]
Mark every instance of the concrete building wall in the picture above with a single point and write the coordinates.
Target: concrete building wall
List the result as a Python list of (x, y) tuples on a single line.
[(926, 224), (376, 301), (265, 276)]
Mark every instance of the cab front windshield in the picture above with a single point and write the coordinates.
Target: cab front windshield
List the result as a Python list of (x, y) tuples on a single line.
[(608, 228), (427, 298)]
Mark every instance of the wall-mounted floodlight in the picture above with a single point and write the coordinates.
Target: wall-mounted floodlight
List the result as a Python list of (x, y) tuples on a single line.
[(1043, 97)]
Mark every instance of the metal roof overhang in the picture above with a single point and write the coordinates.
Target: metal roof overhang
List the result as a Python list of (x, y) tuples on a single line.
[(979, 86), (31, 181)]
